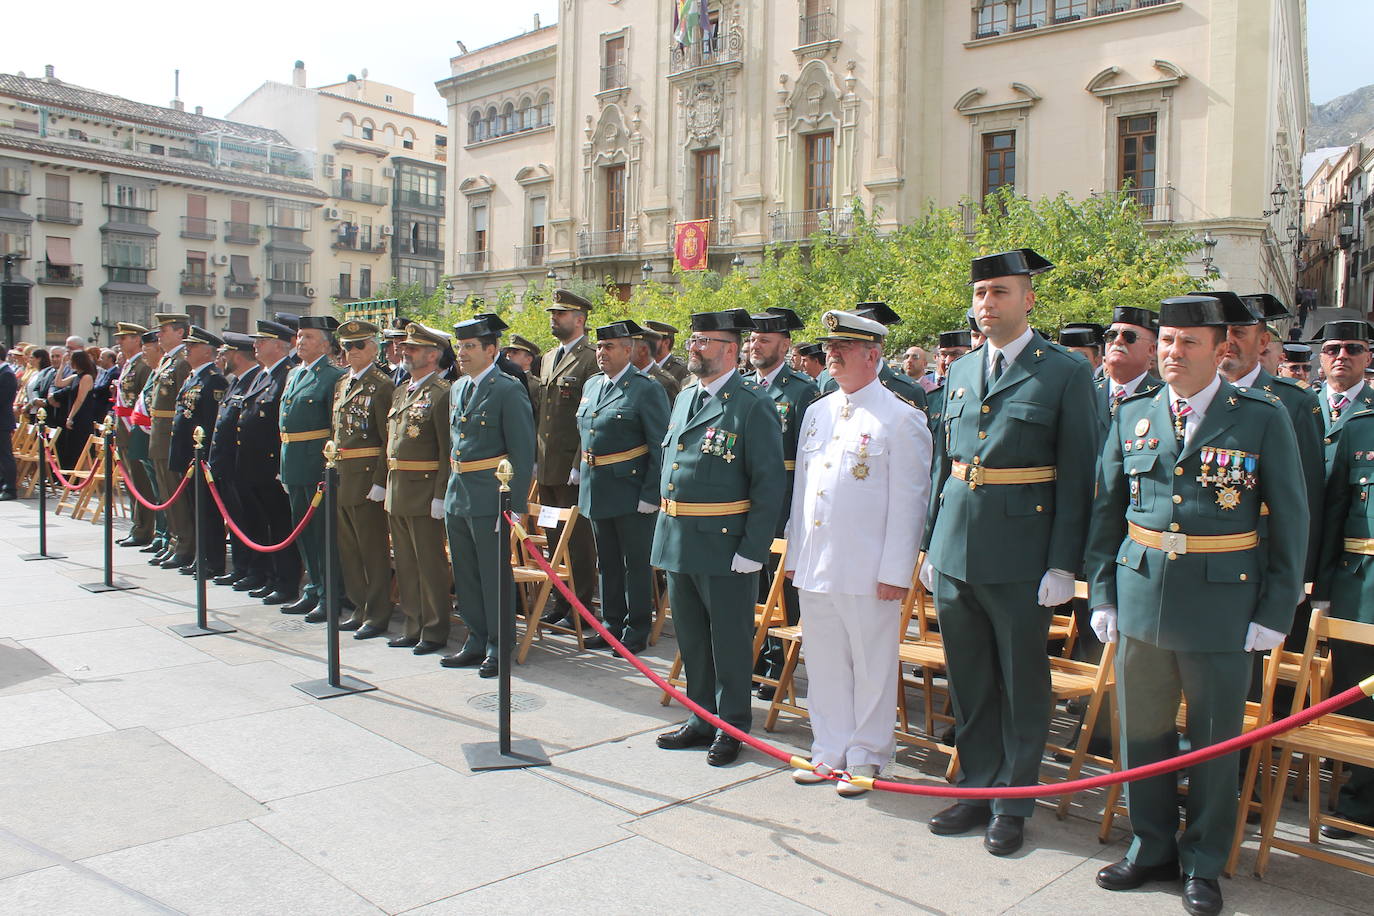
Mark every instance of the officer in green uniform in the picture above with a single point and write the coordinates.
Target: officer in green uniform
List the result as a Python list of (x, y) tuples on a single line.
[(952, 345), (1128, 364), (362, 398), (1084, 338), (1012, 467), (166, 383), (488, 420), (1176, 570), (1297, 364), (813, 363), (621, 420), (417, 449), (132, 377), (721, 495), (196, 407), (1345, 356), (664, 356), (642, 352), (900, 384), (137, 453)]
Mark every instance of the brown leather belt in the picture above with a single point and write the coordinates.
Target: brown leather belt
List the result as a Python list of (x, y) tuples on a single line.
[(1175, 543), (703, 510), (400, 464), (596, 461), (481, 464), (345, 453), (975, 475), (307, 436)]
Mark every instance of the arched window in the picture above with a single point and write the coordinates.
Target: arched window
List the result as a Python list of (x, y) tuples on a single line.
[(475, 127), (408, 139), (368, 129), (389, 135), (346, 126), (527, 114), (508, 125), (492, 126), (545, 110)]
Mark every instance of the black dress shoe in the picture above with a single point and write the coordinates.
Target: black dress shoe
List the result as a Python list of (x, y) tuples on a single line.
[(959, 818), (636, 647), (369, 631), (228, 578), (302, 605), (595, 641), (350, 624), (1127, 876), (267, 588), (468, 658), (1006, 833), (766, 692), (1332, 832), (683, 737), (403, 642), (153, 547), (723, 751), (319, 615), (277, 598), (426, 647), (249, 583), (1201, 896), (177, 560), (488, 668), (558, 615), (132, 541)]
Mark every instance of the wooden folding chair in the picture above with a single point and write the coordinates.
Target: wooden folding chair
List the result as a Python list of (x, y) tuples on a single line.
[(1339, 737), (1076, 680), (81, 471), (25, 446), (924, 651), (527, 573)]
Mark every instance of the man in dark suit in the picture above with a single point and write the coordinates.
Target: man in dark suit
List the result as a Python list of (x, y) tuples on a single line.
[(196, 406), (245, 565), (9, 390)]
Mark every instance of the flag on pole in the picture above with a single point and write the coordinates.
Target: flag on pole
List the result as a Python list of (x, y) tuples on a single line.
[(691, 21), (691, 244)]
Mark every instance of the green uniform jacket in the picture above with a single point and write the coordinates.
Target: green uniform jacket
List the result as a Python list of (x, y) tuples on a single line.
[(739, 461), (557, 390), (1102, 396), (903, 386), (935, 408), (1034, 416), (1343, 577), (306, 406), (792, 392), (417, 430), (1331, 429), (360, 422), (1198, 602), (166, 383), (613, 418), (494, 420)]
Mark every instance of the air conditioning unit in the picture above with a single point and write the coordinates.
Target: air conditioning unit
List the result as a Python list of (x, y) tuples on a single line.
[(331, 213), (221, 311), (386, 230), (310, 292), (388, 172), (221, 260)]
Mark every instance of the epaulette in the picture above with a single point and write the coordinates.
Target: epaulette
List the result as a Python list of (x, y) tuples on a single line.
[(1305, 386), (443, 383), (1259, 394), (1364, 414), (1291, 382), (1140, 393)]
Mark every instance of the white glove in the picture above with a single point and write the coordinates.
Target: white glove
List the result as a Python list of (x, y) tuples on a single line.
[(377, 494), (1259, 638), (647, 508), (1103, 623), (1056, 588), (927, 577), (436, 509), (574, 476), (1321, 605), (744, 565)]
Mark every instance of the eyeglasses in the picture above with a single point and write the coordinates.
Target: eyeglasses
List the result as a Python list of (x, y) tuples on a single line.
[(1351, 349), (467, 346), (354, 344), (1128, 336), (696, 340)]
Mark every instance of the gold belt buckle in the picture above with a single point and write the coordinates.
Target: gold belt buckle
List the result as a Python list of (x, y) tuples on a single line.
[(974, 476), (588, 457), (1173, 542), (670, 507)]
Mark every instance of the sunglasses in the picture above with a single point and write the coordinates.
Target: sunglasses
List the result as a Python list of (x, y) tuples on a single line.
[(1351, 349), (697, 340), (1128, 336), (354, 344)]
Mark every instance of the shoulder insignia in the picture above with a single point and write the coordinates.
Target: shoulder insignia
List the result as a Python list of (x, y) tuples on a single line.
[(1302, 384), (1262, 397), (443, 383)]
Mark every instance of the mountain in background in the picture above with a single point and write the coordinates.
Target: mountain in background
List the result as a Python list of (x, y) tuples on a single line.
[(1341, 121)]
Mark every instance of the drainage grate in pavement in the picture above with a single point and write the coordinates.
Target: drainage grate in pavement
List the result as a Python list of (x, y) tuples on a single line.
[(289, 626), (489, 702)]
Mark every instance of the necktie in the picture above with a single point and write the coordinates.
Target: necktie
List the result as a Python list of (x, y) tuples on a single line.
[(1118, 393), (701, 399), (1338, 403), (1181, 413), (559, 357), (352, 383), (467, 397), (997, 366)]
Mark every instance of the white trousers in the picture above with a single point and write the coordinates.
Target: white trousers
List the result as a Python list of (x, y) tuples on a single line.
[(851, 672)]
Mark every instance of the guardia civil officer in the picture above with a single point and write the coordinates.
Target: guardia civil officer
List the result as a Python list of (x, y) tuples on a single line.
[(665, 355), (1345, 357), (362, 399), (1128, 364), (132, 377), (951, 346), (642, 358), (197, 405), (621, 419), (171, 372), (1013, 472), (1297, 364), (1084, 338), (1177, 573), (720, 494), (488, 420), (246, 566)]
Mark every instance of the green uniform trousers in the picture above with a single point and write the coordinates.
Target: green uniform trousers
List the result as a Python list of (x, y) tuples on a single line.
[(1350, 664), (1149, 683), (421, 576), (713, 617), (365, 555), (180, 515), (144, 522), (311, 542), (480, 572), (623, 544), (154, 495), (999, 678)]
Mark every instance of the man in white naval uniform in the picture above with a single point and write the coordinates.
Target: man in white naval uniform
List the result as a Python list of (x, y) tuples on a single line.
[(858, 508)]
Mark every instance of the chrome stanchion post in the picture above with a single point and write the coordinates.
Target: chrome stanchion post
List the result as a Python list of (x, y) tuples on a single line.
[(109, 585), (42, 494), (202, 625)]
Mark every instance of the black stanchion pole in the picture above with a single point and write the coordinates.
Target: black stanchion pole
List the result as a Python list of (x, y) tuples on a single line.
[(335, 684), (109, 585), (42, 494), (504, 754), (202, 625)]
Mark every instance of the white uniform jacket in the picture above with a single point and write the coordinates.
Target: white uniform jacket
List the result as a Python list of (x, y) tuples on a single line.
[(861, 492)]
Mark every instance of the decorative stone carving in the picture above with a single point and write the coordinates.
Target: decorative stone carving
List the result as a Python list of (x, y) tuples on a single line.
[(703, 111)]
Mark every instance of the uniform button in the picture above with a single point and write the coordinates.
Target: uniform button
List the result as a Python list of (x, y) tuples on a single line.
[(820, 492), (977, 460), (670, 486), (725, 531), (836, 438), (1326, 441), (817, 523), (1364, 480), (674, 465), (987, 409), (1039, 508), (1173, 556), (1173, 526), (1178, 472), (680, 446), (982, 434), (1177, 498), (827, 464), (1242, 577)]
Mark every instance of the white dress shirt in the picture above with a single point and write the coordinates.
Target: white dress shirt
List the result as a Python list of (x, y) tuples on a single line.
[(1009, 352), (1199, 403)]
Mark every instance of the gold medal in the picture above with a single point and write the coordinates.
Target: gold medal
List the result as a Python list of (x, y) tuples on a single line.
[(1228, 497), (1142, 426), (412, 432), (860, 471)]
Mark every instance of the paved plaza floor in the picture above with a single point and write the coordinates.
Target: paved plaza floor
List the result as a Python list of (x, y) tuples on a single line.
[(141, 772)]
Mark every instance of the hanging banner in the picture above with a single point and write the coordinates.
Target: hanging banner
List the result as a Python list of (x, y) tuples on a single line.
[(691, 243)]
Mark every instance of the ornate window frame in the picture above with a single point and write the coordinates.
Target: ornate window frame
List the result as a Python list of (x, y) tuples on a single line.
[(1123, 100), (995, 118)]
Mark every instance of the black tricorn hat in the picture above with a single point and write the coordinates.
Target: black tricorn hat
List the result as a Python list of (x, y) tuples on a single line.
[(813, 350), (960, 338), (1268, 305), (326, 323), (1017, 262), (618, 330), (777, 320), (1079, 337), (493, 321), (480, 326), (1297, 353), (878, 311), (1141, 318), (286, 318), (729, 320), (149, 337), (1237, 312), (1344, 330), (1192, 312)]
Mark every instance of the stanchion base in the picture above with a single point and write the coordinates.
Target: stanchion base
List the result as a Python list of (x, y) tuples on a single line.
[(118, 585), (42, 556), (524, 752), (191, 630), (323, 690)]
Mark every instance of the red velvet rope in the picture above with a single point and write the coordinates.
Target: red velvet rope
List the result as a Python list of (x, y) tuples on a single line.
[(57, 472), (1330, 705), (142, 500), (238, 532)]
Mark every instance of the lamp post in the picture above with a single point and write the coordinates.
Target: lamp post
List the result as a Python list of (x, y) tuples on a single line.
[(647, 270), (1277, 196), (1209, 246)]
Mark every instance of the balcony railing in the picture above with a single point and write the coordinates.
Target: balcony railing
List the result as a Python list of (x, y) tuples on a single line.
[(347, 189), (530, 255), (799, 225), (432, 252), (357, 241), (291, 288), (247, 290), (197, 227), (341, 288), (242, 233), (195, 283), (998, 17), (473, 262), (127, 274), (1156, 204), (719, 49), (59, 274), (420, 199), (612, 77), (52, 210), (594, 244), (820, 27)]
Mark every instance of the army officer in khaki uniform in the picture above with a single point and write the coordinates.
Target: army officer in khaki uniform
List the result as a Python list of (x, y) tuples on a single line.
[(166, 382)]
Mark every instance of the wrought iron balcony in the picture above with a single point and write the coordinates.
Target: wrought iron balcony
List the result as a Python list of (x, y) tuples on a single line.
[(613, 77), (530, 255), (52, 210), (348, 189), (813, 29), (291, 288), (594, 244), (195, 283), (1156, 204), (59, 274), (245, 290), (799, 225), (419, 199), (242, 233), (719, 49), (197, 227), (473, 262)]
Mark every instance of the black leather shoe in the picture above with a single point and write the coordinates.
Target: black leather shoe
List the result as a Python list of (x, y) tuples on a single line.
[(130, 541), (250, 583), (302, 605), (319, 615), (595, 641), (637, 647), (1332, 832), (468, 658), (959, 818), (723, 751), (350, 624), (263, 590), (426, 647), (1127, 876), (228, 578), (558, 614), (369, 631), (154, 546), (488, 668), (683, 737), (277, 597), (177, 560), (403, 642), (766, 692), (1006, 833), (1201, 896), (157, 558)]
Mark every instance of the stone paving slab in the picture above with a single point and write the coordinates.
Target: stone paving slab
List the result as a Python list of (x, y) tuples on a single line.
[(109, 653), (62, 890), (50, 715), (24, 671)]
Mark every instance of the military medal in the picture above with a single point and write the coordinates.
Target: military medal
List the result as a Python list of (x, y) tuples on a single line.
[(1135, 492), (844, 411), (1228, 497), (1204, 478), (707, 446), (1251, 478), (1142, 426), (412, 432), (1154, 443), (728, 447), (860, 469)]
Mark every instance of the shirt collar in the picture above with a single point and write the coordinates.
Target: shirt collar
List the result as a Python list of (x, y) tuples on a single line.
[(713, 389), (567, 347), (1009, 352), (1129, 387), (175, 350), (1354, 392), (1248, 379), (354, 376), (273, 368), (1200, 401), (417, 382), (865, 394), (477, 379), (659, 362), (615, 379), (313, 363), (766, 381)]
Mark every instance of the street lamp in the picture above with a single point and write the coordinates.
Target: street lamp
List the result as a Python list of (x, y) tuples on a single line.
[(1277, 196), (1292, 232), (551, 276), (1209, 246), (737, 261), (647, 270)]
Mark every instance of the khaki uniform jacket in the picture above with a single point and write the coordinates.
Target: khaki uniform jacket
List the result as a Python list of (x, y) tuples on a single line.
[(360, 422), (557, 390), (417, 430), (675, 367), (167, 381), (131, 381)]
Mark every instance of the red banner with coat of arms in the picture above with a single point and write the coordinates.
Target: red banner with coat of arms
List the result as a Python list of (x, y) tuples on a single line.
[(690, 244)]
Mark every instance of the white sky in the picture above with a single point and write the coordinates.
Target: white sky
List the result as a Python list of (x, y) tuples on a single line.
[(226, 50)]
